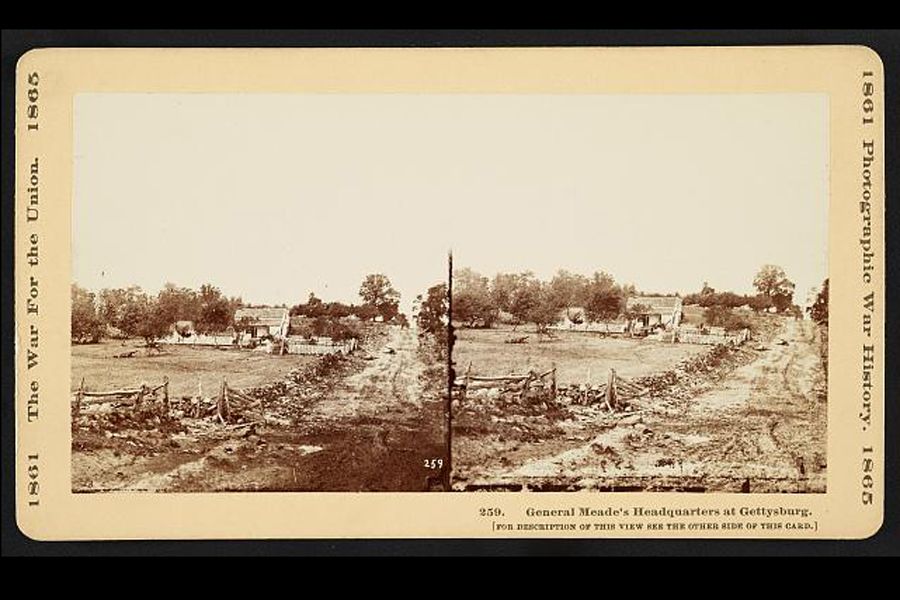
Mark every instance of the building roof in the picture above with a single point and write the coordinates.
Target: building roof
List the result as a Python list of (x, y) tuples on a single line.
[(658, 304), (272, 317)]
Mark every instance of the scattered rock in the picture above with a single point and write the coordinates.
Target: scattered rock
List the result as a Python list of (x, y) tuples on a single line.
[(632, 420)]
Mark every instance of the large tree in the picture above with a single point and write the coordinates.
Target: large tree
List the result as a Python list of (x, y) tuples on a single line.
[(472, 302), (178, 304), (545, 310), (155, 323), (132, 311), (140, 315), (87, 326), (117, 306), (314, 306), (216, 313), (523, 296), (503, 288), (605, 300), (376, 291), (772, 282), (431, 316), (569, 289), (818, 312)]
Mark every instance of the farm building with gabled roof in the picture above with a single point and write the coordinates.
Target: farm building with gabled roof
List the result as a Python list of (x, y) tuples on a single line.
[(262, 321), (650, 311)]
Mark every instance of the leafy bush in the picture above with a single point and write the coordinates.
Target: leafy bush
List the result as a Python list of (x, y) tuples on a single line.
[(722, 316), (330, 327)]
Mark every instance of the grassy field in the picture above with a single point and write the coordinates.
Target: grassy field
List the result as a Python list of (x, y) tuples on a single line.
[(574, 353), (184, 366)]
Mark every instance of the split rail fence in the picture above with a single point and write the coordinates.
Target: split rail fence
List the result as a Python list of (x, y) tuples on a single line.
[(611, 394), (226, 406)]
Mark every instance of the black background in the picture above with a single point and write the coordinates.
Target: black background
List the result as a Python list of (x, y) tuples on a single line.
[(17, 42)]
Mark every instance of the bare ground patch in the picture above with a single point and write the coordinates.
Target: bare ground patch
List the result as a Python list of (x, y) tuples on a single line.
[(751, 420), (367, 423)]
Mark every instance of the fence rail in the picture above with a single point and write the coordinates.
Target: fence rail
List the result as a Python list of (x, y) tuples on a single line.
[(223, 406), (83, 396), (512, 382), (302, 346), (611, 394), (686, 336)]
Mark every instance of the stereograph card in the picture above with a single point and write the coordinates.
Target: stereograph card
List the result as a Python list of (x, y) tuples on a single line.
[(479, 293)]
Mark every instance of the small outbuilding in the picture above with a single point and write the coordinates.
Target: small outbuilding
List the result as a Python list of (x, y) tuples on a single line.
[(261, 322), (651, 311)]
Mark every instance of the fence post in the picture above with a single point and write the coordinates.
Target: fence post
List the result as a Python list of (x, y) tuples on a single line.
[(226, 405), (611, 390), (587, 388), (526, 384), (199, 398), (222, 404), (141, 394), (78, 396), (553, 381), (466, 381), (166, 394)]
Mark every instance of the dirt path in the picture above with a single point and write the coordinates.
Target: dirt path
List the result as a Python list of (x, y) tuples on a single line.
[(761, 428), (769, 418), (372, 429), (389, 383)]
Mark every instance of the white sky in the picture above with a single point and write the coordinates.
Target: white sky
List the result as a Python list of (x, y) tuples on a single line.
[(272, 196)]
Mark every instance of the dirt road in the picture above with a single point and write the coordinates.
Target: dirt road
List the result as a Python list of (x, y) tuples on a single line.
[(371, 428), (761, 428)]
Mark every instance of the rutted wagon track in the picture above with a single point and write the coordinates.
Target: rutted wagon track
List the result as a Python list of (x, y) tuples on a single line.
[(368, 425), (756, 424)]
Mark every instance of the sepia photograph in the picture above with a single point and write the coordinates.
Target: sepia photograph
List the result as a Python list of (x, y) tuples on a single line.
[(475, 293), (259, 296), (640, 294)]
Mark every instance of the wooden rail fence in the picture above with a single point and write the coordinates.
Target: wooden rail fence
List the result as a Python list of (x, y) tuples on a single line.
[(225, 405), (520, 383), (611, 394), (139, 394)]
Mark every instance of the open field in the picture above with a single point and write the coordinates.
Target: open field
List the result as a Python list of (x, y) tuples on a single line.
[(575, 354), (184, 366), (753, 420), (363, 422)]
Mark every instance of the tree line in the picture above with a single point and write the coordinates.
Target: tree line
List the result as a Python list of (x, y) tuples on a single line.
[(132, 312), (479, 301), (774, 290), (379, 298)]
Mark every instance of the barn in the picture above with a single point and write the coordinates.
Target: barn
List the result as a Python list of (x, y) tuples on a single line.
[(260, 322), (652, 311)]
